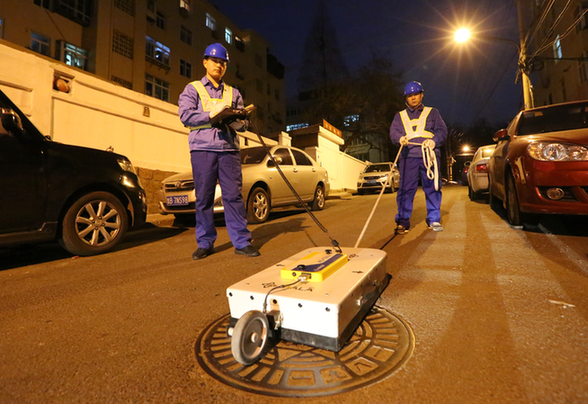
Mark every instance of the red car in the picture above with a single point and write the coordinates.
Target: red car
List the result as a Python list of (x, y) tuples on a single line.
[(540, 164)]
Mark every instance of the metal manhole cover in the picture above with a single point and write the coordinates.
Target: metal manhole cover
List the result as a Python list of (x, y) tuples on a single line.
[(381, 344)]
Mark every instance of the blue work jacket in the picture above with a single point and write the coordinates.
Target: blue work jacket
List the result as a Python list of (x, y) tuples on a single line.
[(193, 115), (434, 125)]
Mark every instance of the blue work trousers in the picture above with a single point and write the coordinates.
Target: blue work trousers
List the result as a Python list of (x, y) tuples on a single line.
[(411, 169), (207, 168)]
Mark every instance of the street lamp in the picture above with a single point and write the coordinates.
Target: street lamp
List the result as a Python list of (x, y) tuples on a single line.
[(462, 35)]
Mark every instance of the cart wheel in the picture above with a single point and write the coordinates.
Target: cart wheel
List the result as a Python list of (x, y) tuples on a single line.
[(250, 337)]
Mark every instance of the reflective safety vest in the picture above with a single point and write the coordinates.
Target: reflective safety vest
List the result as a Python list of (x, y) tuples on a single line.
[(208, 103), (416, 127)]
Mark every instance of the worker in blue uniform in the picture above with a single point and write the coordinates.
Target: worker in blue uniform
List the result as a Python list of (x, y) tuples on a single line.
[(214, 151), (421, 132)]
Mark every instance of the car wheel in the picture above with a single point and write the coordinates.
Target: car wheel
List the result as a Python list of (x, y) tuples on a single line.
[(258, 206), (494, 202), (319, 198), (94, 224), (472, 194), (513, 210)]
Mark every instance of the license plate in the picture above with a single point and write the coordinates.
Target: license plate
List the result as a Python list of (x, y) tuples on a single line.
[(180, 200)]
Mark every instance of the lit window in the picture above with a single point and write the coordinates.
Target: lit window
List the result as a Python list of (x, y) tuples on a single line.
[(296, 126), (40, 43), (72, 55), (157, 50), (557, 53), (185, 68), (185, 4), (210, 22), (351, 119), (228, 36), (185, 35), (157, 88)]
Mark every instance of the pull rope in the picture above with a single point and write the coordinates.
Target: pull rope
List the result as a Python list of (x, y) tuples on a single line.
[(430, 160), (334, 242)]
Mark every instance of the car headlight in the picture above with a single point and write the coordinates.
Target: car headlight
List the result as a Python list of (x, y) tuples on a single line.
[(544, 151), (126, 165)]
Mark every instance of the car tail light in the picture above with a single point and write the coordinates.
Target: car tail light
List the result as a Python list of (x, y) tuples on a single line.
[(481, 168)]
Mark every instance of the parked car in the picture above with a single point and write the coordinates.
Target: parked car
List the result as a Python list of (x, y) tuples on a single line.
[(374, 175), (540, 163), (464, 173), (87, 199), (263, 187), (478, 171)]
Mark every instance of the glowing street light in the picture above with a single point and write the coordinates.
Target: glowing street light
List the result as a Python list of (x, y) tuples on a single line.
[(465, 148), (462, 35)]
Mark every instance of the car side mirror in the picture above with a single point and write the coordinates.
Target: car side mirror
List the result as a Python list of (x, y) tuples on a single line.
[(10, 120), (270, 162), (502, 134)]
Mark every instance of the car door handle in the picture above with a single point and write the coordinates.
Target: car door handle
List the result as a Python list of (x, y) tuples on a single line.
[(295, 170)]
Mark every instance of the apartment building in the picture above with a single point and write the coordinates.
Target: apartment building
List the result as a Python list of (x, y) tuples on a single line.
[(557, 48), (153, 47)]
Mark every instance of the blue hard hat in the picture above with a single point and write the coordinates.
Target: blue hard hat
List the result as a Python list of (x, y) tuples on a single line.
[(413, 87), (216, 50)]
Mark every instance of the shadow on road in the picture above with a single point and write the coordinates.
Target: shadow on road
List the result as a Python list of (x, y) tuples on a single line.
[(41, 253)]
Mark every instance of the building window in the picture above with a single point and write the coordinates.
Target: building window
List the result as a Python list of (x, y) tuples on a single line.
[(43, 3), (258, 60), (350, 120), (185, 68), (40, 43), (72, 55), (210, 22), (563, 90), (239, 44), (557, 53), (122, 82), (185, 35), (1, 28), (157, 88), (259, 86), (579, 12), (76, 10), (160, 20), (185, 5), (122, 44), (157, 51), (583, 68), (228, 36), (128, 6), (296, 126)]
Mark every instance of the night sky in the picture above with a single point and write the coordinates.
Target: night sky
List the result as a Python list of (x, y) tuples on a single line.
[(464, 82)]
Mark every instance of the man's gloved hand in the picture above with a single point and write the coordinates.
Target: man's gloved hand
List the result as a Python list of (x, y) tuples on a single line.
[(216, 109), (429, 143), (403, 141)]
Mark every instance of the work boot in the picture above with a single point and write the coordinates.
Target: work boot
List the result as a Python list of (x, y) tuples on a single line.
[(202, 253), (248, 251), (401, 230)]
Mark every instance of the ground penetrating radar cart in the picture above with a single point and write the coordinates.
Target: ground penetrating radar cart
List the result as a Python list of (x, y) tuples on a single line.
[(317, 297)]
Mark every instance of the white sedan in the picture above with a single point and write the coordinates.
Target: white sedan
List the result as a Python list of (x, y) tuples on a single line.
[(263, 187), (478, 172)]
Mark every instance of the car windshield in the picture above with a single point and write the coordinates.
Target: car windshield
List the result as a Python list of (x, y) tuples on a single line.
[(554, 119), (377, 168), (252, 155)]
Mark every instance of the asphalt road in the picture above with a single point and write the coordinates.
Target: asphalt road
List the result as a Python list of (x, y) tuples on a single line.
[(499, 314)]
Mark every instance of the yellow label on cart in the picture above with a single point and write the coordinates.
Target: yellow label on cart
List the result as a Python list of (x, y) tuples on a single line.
[(316, 267)]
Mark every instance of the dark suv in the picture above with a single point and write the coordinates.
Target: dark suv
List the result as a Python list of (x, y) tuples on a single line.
[(87, 199)]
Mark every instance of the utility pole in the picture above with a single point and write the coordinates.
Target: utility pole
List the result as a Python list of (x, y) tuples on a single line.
[(523, 68)]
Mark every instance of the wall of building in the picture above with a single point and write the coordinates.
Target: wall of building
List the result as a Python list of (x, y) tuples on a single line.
[(100, 114)]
